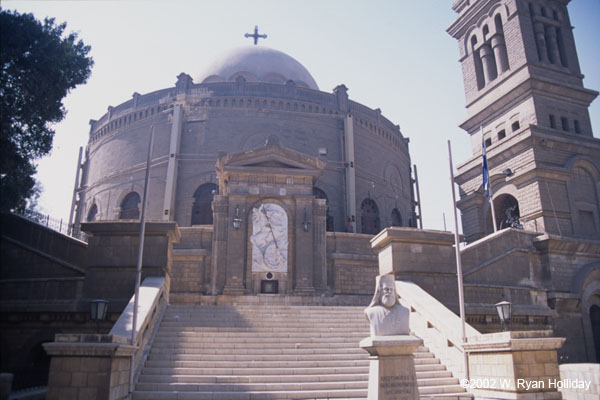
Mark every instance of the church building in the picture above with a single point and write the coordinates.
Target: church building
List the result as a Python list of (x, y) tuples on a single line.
[(266, 193)]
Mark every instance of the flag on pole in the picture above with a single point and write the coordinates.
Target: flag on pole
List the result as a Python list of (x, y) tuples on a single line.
[(486, 173)]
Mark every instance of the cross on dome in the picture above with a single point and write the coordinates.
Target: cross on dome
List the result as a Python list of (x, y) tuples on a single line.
[(255, 36)]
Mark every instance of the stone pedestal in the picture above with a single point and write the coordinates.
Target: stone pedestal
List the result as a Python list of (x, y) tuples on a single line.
[(392, 373), (514, 365), (88, 366)]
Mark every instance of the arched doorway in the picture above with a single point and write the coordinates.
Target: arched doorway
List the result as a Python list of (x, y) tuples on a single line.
[(595, 320), (369, 217), (202, 207), (396, 217), (319, 194), (130, 206)]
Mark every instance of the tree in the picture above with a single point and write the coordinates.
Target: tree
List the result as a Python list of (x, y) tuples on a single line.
[(40, 66)]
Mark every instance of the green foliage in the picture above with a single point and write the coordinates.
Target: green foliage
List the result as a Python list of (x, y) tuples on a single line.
[(40, 66)]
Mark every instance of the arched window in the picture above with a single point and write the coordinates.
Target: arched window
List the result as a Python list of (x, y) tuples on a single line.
[(92, 213), (369, 217), (396, 217), (202, 208), (130, 206), (507, 212), (477, 63), (319, 194)]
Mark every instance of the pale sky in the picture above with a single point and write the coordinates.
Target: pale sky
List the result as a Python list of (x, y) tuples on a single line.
[(391, 54)]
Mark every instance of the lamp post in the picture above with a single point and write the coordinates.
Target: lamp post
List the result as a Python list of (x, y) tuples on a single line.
[(98, 309), (306, 222), (237, 221), (504, 309)]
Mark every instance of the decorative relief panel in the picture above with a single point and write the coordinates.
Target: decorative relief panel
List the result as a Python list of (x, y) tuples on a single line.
[(269, 239)]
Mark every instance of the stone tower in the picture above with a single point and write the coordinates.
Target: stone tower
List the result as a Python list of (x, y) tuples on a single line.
[(524, 92)]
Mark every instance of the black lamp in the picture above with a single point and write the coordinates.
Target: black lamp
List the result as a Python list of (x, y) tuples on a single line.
[(98, 309), (504, 309)]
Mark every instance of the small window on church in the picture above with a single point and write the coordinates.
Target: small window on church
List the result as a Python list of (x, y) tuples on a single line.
[(501, 134), (577, 126), (130, 206), (515, 126), (92, 213), (565, 123), (552, 122), (488, 142)]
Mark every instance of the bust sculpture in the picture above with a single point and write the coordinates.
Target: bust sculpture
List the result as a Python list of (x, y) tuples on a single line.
[(385, 313)]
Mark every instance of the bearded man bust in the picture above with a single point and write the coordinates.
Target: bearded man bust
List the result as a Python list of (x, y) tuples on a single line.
[(386, 315)]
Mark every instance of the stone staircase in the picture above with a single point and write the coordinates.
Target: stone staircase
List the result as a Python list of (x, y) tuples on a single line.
[(235, 352)]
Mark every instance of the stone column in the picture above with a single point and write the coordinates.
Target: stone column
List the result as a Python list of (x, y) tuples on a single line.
[(171, 185), (514, 365), (552, 43), (219, 244), (540, 39), (236, 247), (487, 58), (499, 47), (350, 170), (392, 373), (319, 243), (303, 268)]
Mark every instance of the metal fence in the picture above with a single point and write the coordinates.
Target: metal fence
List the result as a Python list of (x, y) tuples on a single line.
[(58, 225)]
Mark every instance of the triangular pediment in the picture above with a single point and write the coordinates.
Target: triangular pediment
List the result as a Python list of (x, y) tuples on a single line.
[(271, 157)]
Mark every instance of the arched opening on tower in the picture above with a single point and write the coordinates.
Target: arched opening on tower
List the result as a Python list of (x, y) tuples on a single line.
[(202, 207), (396, 217), (320, 194), (130, 206), (369, 219), (506, 208), (595, 321)]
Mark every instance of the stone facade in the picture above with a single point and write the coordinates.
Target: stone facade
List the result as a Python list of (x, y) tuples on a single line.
[(193, 123), (525, 94)]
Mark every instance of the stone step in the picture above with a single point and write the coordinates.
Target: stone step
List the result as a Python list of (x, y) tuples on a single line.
[(153, 363), (263, 357), (253, 351), (421, 375), (251, 387), (253, 378), (177, 334), (270, 351), (253, 339), (350, 394), (255, 371)]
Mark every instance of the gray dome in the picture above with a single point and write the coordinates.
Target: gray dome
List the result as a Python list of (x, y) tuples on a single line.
[(257, 64)]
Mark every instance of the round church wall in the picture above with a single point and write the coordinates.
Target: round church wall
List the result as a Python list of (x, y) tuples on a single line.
[(229, 117)]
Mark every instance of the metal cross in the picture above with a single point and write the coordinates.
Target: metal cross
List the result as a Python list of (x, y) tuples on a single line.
[(255, 36)]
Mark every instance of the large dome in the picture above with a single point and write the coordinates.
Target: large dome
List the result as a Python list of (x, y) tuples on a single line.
[(257, 64)]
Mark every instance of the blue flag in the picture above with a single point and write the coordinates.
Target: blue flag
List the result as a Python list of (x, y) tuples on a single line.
[(486, 173)]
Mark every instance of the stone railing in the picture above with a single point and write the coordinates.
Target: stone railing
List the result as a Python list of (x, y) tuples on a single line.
[(151, 306), (438, 326)]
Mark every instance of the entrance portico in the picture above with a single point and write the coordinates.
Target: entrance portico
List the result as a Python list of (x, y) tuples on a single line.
[(269, 229)]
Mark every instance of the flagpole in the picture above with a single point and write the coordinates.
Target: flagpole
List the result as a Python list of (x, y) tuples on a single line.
[(138, 276), (461, 299), (487, 184)]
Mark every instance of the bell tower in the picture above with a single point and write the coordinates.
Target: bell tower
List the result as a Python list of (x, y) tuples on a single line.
[(524, 92)]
